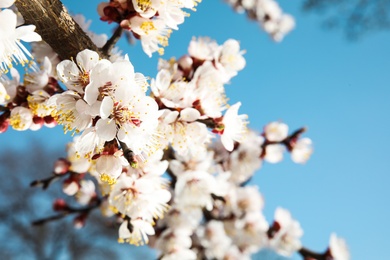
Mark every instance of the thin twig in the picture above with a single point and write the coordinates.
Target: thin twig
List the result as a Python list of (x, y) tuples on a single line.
[(110, 44), (308, 254), (68, 211)]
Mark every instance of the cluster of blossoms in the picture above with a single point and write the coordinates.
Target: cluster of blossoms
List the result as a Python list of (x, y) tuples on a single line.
[(268, 14), (150, 21), (129, 140), (25, 105), (170, 164)]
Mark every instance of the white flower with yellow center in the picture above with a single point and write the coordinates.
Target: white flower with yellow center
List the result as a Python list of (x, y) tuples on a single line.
[(11, 48), (202, 48), (302, 150), (110, 166), (276, 131), (145, 196), (230, 59), (135, 231), (136, 118), (71, 111), (171, 12), (38, 103), (194, 188), (153, 33), (173, 94), (76, 75), (286, 240), (146, 8), (21, 118)]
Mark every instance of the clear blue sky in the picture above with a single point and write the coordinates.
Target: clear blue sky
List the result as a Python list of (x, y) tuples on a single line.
[(340, 90)]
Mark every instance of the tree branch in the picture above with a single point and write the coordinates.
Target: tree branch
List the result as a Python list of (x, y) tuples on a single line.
[(106, 50), (69, 211), (56, 27), (308, 254)]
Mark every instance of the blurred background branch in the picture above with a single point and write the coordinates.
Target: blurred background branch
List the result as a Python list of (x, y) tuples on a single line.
[(22, 204), (356, 18)]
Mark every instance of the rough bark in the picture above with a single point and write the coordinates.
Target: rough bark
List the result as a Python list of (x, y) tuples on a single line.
[(56, 26)]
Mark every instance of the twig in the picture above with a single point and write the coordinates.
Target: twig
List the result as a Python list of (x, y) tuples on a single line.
[(110, 44), (68, 211), (45, 182), (308, 254)]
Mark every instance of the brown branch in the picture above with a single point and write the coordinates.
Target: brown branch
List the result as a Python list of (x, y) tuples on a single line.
[(287, 141), (110, 44), (2, 108), (45, 182), (308, 254), (69, 211), (56, 27), (128, 154)]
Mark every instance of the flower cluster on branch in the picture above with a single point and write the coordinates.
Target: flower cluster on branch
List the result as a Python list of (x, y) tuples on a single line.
[(168, 159)]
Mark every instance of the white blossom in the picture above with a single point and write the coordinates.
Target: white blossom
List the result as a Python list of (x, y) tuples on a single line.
[(135, 232), (12, 50), (21, 118), (338, 248), (286, 240), (234, 127), (302, 150), (276, 131)]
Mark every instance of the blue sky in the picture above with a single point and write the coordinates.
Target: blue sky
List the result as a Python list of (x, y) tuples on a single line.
[(314, 78)]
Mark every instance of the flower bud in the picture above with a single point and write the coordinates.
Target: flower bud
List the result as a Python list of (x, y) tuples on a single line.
[(4, 123), (61, 166), (70, 187), (60, 205), (80, 220)]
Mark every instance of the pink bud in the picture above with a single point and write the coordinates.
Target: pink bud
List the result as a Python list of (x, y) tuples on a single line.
[(4, 123), (80, 220), (185, 63), (60, 205), (61, 166), (38, 120)]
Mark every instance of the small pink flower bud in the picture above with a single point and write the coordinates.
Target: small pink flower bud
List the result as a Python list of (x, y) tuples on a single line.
[(49, 120), (60, 205), (61, 166), (4, 123), (185, 63), (80, 220)]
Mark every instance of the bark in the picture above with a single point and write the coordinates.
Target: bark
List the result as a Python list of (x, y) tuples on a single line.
[(56, 27)]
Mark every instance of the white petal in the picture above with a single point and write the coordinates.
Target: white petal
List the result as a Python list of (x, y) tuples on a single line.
[(8, 22), (106, 107), (26, 33), (106, 129), (170, 116), (87, 59), (227, 142), (124, 232), (274, 153), (6, 3), (189, 114)]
